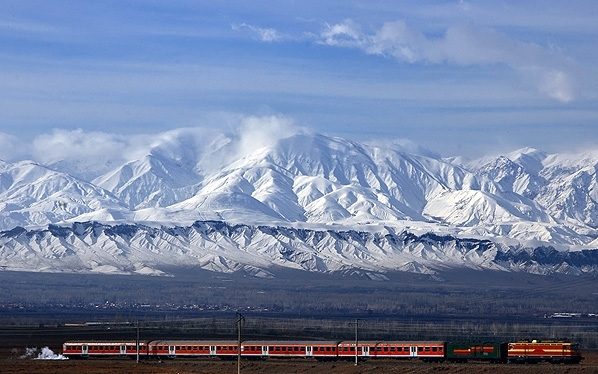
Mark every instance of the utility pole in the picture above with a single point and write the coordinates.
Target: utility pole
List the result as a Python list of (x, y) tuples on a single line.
[(137, 341), (240, 320), (356, 342)]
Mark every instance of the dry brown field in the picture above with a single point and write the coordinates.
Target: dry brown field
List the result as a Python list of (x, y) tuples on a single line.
[(15, 365)]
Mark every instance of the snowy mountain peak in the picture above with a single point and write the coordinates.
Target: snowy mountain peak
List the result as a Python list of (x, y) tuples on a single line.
[(313, 181)]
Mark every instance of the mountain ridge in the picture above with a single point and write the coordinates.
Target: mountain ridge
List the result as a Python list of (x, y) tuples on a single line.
[(91, 247), (524, 199)]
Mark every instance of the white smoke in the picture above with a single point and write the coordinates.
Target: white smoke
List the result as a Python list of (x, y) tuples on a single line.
[(48, 354), (45, 354), (29, 353)]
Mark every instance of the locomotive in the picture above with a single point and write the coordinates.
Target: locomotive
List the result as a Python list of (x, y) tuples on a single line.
[(430, 351)]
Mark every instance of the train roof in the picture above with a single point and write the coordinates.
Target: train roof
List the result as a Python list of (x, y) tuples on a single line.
[(104, 342), (191, 342), (404, 342), (291, 342)]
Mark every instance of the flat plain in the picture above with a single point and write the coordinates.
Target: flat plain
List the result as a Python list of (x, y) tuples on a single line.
[(299, 366)]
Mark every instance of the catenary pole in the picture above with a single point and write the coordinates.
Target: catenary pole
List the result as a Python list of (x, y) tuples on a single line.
[(356, 342), (137, 341), (240, 319)]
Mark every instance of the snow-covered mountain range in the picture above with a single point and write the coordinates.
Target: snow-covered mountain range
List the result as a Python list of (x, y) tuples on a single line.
[(307, 201)]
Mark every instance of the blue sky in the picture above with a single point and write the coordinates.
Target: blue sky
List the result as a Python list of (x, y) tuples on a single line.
[(456, 77)]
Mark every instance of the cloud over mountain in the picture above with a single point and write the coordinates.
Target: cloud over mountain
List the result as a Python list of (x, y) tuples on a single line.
[(462, 45)]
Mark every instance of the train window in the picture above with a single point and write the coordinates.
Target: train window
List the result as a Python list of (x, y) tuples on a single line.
[(270, 348), (218, 348), (302, 349), (284, 349), (195, 348), (434, 349), (315, 349), (178, 347), (183, 348), (379, 349), (358, 349), (327, 349), (351, 349), (420, 349), (427, 349), (385, 349), (296, 349), (439, 349), (392, 349)]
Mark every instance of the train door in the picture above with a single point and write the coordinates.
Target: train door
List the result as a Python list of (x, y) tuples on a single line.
[(123, 350), (264, 350), (366, 351), (308, 351), (171, 350), (413, 351), (212, 350), (84, 350)]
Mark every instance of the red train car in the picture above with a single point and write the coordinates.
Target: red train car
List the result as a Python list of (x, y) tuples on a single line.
[(192, 348), (287, 349), (84, 349), (549, 351), (427, 351)]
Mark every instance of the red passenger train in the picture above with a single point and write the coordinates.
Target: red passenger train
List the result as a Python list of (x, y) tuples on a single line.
[(516, 352)]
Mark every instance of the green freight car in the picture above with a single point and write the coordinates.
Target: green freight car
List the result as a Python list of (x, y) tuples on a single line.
[(463, 352)]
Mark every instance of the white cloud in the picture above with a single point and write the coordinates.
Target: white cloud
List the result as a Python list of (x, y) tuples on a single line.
[(77, 144), (221, 140), (462, 46), (12, 147), (345, 34), (557, 84), (403, 145), (267, 35), (255, 132), (396, 39)]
